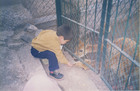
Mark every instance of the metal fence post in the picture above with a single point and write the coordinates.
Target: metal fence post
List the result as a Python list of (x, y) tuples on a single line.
[(85, 29), (58, 12), (106, 34), (101, 33), (132, 64)]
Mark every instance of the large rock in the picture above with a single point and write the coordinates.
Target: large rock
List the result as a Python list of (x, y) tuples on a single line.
[(4, 51), (11, 71), (18, 35), (14, 15), (2, 43), (31, 64), (34, 70), (14, 43), (37, 32), (29, 34), (5, 34), (9, 2), (27, 37), (30, 28)]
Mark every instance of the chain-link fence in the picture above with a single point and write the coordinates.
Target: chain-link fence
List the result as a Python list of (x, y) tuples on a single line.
[(41, 13), (84, 18), (106, 38), (106, 33), (120, 67)]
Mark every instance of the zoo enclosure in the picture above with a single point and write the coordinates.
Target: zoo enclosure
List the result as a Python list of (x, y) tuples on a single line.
[(106, 38), (106, 34)]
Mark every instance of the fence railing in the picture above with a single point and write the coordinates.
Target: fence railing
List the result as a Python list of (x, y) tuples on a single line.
[(120, 64), (106, 38)]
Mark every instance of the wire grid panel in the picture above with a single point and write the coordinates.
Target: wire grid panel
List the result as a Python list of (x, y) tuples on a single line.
[(122, 65), (39, 8), (84, 17)]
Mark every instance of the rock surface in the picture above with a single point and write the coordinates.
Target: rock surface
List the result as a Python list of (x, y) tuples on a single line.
[(5, 34), (14, 15)]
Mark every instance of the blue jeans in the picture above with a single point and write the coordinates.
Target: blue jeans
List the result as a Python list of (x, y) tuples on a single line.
[(53, 62)]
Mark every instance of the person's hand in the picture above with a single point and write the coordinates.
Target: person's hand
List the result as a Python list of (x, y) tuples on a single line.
[(69, 64)]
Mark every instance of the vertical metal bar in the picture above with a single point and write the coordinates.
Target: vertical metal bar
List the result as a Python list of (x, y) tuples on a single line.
[(132, 63), (64, 11), (80, 59), (85, 29), (107, 84), (101, 33), (70, 11), (124, 39), (115, 20), (32, 2), (106, 34), (113, 33), (58, 12), (78, 30), (114, 30), (133, 26), (89, 10), (94, 27), (72, 18), (95, 14)]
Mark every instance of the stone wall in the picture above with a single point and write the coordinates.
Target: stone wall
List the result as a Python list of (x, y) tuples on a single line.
[(19, 12), (13, 15), (15, 58), (9, 2)]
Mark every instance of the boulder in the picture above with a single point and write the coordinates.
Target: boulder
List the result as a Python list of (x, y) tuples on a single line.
[(3, 52), (30, 28), (5, 34), (37, 32), (18, 35), (11, 71), (14, 15), (27, 37), (15, 44), (2, 43)]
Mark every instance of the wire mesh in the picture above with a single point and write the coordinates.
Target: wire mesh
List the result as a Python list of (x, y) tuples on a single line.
[(120, 52), (117, 38), (43, 12), (84, 18), (39, 8), (121, 71)]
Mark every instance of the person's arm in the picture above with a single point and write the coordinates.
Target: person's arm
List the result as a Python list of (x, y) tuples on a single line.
[(60, 56)]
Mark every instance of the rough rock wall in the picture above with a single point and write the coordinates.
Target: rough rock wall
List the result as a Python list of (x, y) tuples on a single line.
[(9, 2), (13, 15)]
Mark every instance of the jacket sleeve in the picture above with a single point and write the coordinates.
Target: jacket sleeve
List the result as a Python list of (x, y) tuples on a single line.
[(60, 56)]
